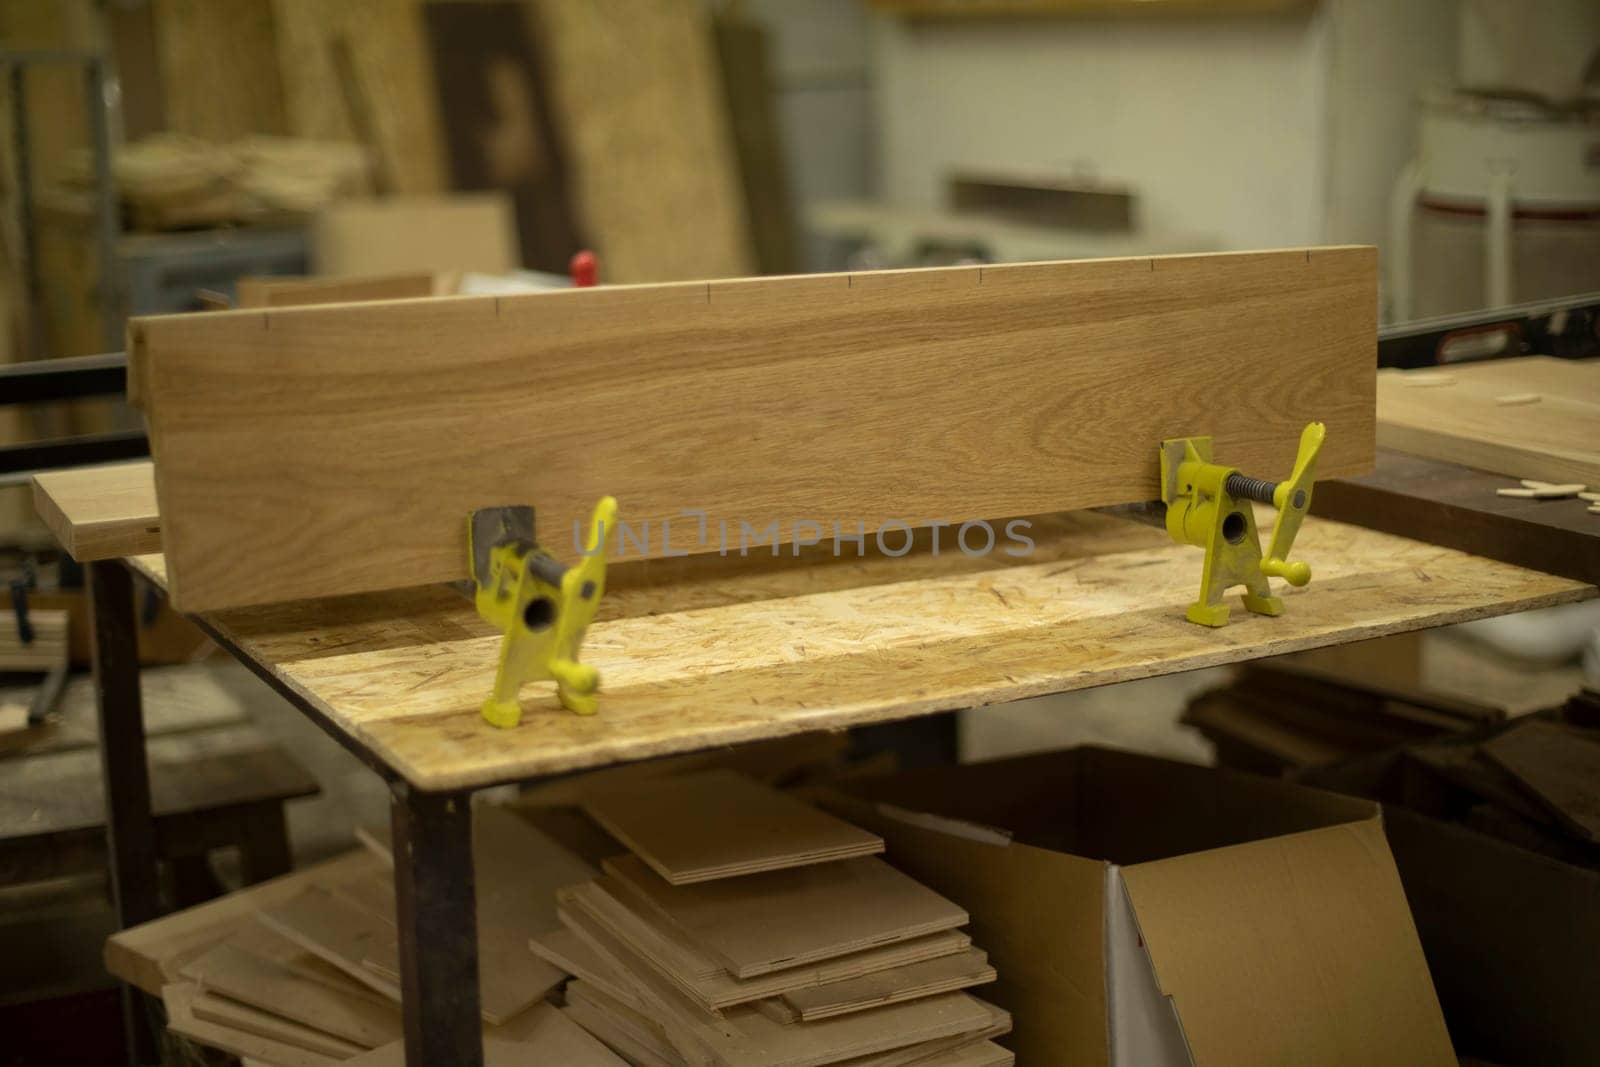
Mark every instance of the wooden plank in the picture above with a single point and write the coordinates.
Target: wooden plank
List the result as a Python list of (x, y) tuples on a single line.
[(416, 234), (269, 291), (101, 512), (1448, 504), (337, 932), (1461, 414), (697, 653), (1558, 765), (720, 824), (781, 919), (864, 400)]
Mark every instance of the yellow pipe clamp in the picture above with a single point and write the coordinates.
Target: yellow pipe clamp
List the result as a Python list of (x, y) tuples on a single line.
[(541, 607)]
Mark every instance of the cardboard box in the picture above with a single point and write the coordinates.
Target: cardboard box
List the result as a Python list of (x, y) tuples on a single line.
[(1143, 912), (1512, 935)]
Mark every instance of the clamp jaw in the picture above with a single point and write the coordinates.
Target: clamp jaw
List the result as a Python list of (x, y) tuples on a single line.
[(540, 606), (1208, 505)]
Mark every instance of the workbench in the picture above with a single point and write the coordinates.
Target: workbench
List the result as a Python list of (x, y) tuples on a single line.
[(705, 651)]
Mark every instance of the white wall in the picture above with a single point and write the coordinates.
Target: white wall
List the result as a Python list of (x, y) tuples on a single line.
[(1219, 122)]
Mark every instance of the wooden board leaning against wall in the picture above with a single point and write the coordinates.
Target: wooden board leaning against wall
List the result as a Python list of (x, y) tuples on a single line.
[(789, 403)]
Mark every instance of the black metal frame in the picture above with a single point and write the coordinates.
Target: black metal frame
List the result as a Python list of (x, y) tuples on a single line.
[(435, 895)]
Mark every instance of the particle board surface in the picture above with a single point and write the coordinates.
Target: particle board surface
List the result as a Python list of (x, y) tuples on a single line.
[(1457, 414), (779, 919), (860, 399), (720, 824), (151, 954), (705, 654), (101, 512)]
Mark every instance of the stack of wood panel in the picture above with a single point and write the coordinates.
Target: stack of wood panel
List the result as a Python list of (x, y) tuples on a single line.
[(303, 971), (748, 928)]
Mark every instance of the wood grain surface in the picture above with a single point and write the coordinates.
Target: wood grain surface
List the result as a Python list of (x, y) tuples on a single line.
[(1448, 504), (1462, 414), (323, 450), (700, 652), (101, 512)]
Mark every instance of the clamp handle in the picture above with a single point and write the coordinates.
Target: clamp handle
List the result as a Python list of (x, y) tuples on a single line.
[(1292, 498)]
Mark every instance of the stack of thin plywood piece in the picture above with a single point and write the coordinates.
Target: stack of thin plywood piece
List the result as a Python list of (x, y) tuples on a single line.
[(798, 945), (303, 971), (748, 928)]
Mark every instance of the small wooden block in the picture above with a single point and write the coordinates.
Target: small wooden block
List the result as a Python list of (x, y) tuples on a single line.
[(720, 824), (1516, 399), (1520, 494)]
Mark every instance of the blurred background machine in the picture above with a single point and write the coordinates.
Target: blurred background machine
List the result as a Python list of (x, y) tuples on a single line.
[(1502, 202)]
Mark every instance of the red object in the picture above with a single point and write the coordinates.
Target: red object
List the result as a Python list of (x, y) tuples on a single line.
[(585, 269)]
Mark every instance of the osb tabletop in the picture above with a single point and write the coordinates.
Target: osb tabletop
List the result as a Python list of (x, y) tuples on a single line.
[(700, 652)]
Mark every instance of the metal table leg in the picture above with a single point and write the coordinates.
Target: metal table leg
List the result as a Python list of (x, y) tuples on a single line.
[(438, 925), (130, 828)]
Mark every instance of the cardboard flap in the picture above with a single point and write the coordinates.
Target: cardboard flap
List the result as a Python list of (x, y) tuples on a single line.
[(1298, 949), (1037, 913)]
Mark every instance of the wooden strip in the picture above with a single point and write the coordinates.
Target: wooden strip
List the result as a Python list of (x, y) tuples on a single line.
[(863, 400), (1455, 506), (719, 823), (782, 919), (336, 931), (1461, 420), (101, 512)]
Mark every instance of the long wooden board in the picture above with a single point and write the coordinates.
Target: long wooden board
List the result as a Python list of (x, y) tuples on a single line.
[(313, 451), (1530, 417)]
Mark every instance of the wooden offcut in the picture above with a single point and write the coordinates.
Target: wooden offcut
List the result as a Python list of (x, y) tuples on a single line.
[(101, 512), (778, 406), (721, 824), (1460, 418)]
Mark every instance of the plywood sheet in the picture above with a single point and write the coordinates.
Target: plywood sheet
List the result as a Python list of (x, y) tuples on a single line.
[(629, 918), (1474, 414), (540, 1035), (223, 1011), (780, 919), (720, 824), (151, 954), (960, 971), (179, 998), (263, 983), (101, 512), (793, 403)]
